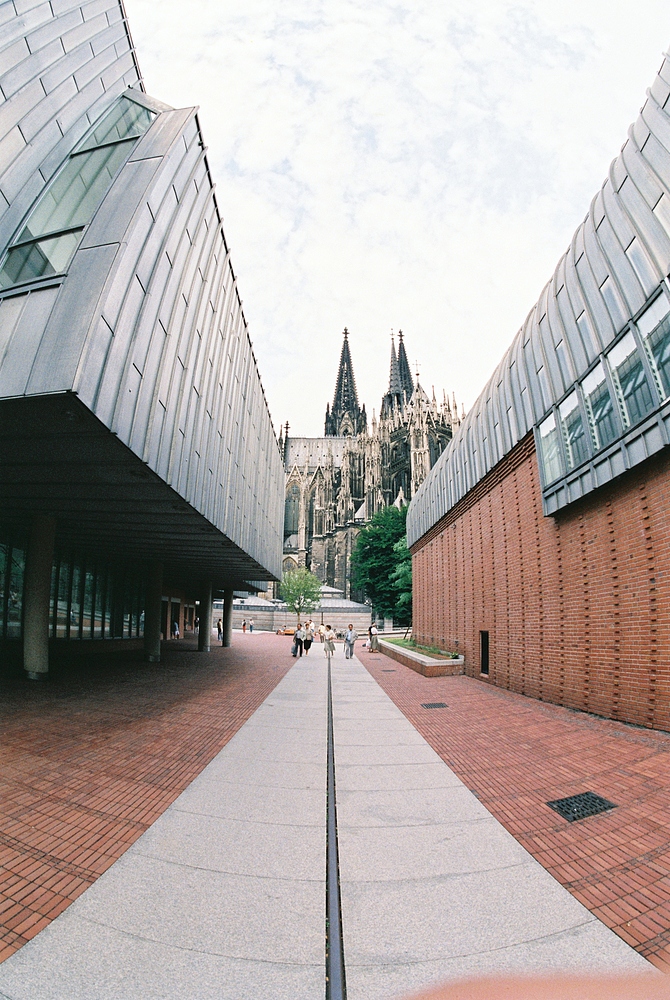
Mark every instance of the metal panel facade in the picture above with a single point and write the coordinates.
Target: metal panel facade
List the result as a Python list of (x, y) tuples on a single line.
[(605, 288), (146, 327)]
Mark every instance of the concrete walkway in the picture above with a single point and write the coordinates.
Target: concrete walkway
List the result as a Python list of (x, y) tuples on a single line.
[(224, 896), (433, 887)]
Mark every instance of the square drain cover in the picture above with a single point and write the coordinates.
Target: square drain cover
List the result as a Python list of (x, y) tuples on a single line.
[(580, 806), (434, 704)]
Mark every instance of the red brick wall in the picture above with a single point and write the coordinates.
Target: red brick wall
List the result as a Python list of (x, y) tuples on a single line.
[(577, 606)]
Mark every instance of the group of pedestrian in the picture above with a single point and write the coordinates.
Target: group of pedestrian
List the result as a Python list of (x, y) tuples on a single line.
[(303, 638), (250, 623), (305, 634)]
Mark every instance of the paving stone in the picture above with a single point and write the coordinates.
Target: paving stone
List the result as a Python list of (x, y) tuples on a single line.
[(230, 873), (517, 754), (432, 885), (94, 757)]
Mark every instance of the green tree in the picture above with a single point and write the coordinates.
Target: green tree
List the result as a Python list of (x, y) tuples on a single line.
[(301, 590), (374, 558), (401, 577)]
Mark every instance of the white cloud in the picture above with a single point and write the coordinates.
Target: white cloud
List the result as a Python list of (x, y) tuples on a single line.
[(391, 164)]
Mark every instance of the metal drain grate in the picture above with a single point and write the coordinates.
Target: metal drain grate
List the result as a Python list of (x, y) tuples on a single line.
[(434, 704), (387, 671), (580, 806)]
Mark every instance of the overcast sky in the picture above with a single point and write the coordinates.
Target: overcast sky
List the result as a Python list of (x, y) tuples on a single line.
[(389, 164)]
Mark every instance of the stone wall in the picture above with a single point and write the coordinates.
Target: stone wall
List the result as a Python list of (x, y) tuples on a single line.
[(270, 620), (577, 606)]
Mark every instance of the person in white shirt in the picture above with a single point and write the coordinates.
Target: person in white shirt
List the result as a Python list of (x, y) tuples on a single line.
[(350, 637), (374, 641)]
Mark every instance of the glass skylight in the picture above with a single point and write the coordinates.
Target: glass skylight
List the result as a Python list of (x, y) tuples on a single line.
[(47, 242)]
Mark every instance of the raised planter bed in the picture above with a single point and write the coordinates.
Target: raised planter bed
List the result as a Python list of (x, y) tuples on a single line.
[(428, 666)]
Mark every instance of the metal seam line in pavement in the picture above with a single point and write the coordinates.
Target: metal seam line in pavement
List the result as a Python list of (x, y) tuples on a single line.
[(336, 988)]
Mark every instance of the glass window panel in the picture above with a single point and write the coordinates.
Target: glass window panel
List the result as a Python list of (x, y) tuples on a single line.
[(499, 440), (639, 262), (38, 260), (127, 610), (623, 350), (15, 596), (657, 343), (544, 387), (630, 380), (525, 401), (76, 192), (125, 119), (563, 362), (3, 589), (587, 337), (662, 212), (62, 600), (552, 465), (140, 612), (574, 434), (52, 600), (599, 407), (512, 424), (292, 511), (75, 603), (99, 617), (611, 297), (87, 607), (109, 594), (652, 316)]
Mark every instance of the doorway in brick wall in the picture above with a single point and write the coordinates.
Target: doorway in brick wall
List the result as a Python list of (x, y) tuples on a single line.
[(484, 653)]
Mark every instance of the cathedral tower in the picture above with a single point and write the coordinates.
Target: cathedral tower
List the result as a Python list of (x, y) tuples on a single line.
[(346, 418)]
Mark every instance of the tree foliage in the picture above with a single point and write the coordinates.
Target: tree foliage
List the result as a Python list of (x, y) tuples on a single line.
[(301, 590), (401, 577), (382, 565)]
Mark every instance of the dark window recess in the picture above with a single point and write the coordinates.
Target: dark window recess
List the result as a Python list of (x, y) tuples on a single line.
[(484, 652), (580, 806), (435, 704)]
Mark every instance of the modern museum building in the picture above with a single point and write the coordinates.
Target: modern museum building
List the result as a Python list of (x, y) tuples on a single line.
[(139, 469), (541, 538)]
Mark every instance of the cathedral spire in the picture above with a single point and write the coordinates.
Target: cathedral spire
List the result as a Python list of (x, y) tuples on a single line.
[(395, 386), (406, 382), (345, 416), (398, 391)]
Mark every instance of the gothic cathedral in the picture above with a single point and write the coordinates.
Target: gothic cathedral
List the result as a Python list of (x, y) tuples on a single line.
[(336, 482)]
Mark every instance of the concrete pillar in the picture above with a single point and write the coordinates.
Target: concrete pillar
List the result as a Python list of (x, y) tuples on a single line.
[(228, 616), (205, 633), (36, 597), (152, 613)]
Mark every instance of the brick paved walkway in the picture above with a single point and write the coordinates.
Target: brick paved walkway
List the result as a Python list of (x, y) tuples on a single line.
[(517, 754), (92, 758)]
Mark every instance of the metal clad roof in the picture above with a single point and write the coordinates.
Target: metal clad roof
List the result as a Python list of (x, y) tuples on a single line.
[(146, 327)]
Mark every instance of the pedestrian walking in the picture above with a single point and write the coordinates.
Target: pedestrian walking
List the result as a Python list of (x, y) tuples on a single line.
[(219, 630), (309, 636), (350, 637), (374, 641), (175, 629), (329, 642), (322, 632), (244, 625), (251, 624), (299, 638)]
